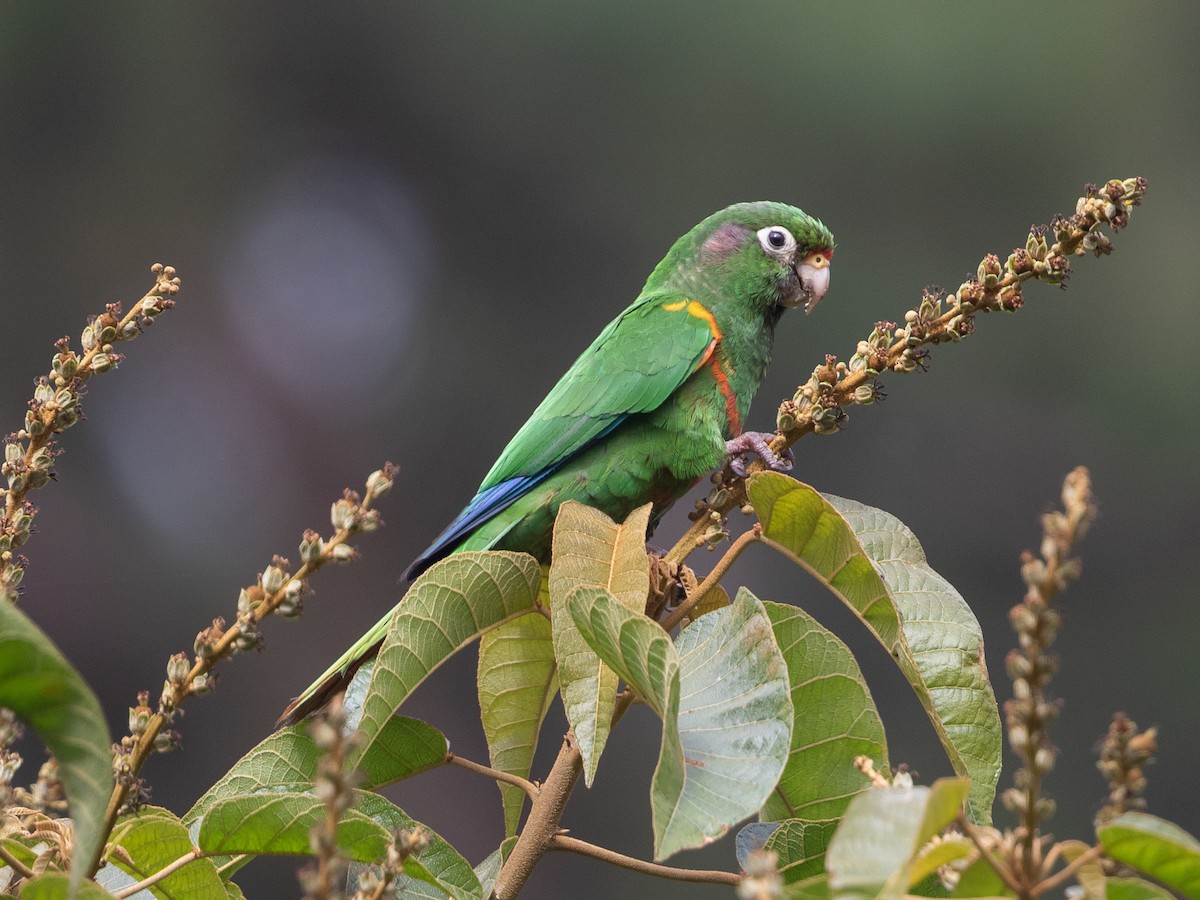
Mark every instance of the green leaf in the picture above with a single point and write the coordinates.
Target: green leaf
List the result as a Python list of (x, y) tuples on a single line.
[(801, 845), (722, 693), (874, 564), (154, 838), (979, 879), (280, 824), (406, 747), (450, 605), (592, 550), (873, 852), (40, 686), (1155, 847), (836, 720), (516, 686), (57, 886), (489, 870), (439, 871), (1134, 889)]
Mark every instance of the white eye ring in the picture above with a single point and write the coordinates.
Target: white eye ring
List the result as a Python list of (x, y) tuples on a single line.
[(777, 240)]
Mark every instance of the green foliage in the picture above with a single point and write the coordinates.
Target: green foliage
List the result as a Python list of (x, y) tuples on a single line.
[(875, 848), (42, 688), (591, 549), (1155, 847), (872, 562), (53, 886), (154, 838), (835, 721), (517, 682), (721, 690), (449, 606), (801, 845)]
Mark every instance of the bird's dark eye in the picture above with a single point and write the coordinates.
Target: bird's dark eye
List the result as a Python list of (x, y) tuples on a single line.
[(776, 240)]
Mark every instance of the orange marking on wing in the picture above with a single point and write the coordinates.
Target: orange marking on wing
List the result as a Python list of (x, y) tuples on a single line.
[(698, 310), (675, 307), (731, 410)]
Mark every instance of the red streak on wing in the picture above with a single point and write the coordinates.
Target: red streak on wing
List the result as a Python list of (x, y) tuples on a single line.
[(731, 410)]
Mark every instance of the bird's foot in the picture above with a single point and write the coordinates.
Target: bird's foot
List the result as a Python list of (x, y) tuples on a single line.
[(758, 443)]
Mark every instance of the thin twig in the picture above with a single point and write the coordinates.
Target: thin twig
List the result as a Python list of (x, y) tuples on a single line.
[(193, 854), (705, 876), (488, 772), (15, 864), (1066, 872), (735, 550), (997, 865)]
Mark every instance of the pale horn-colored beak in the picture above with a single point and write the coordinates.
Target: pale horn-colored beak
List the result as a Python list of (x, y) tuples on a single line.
[(813, 272)]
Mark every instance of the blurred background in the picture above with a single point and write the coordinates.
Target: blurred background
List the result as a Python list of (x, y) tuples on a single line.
[(398, 224)]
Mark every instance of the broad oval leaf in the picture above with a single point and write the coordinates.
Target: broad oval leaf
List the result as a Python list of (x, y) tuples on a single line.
[(154, 838), (1155, 847), (801, 845), (44, 690), (836, 721), (406, 747), (451, 604), (884, 829), (590, 549), (517, 682), (722, 693), (279, 823), (875, 564)]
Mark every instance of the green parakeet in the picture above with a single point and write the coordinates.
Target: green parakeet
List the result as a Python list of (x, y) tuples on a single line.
[(655, 402)]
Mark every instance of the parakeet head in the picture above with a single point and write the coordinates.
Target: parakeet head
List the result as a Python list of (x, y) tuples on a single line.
[(768, 254)]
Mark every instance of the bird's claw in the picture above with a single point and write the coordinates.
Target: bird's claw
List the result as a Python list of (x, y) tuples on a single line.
[(757, 442)]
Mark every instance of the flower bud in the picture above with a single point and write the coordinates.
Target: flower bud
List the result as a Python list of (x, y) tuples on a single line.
[(379, 482), (311, 547), (273, 579), (178, 668), (341, 514), (342, 553)]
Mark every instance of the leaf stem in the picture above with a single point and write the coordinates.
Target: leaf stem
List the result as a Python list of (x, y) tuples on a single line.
[(1066, 872), (743, 541), (193, 854), (524, 784), (15, 864), (705, 876), (995, 862)]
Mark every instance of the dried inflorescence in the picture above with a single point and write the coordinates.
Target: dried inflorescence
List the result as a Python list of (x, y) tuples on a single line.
[(56, 405), (1031, 665), (818, 405), (334, 787), (278, 590), (1124, 755)]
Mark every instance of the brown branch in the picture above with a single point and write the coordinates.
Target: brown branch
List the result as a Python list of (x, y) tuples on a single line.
[(1066, 872), (704, 876), (524, 784), (714, 577), (995, 862), (542, 826)]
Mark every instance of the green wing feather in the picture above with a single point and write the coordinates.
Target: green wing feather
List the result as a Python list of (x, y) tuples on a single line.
[(633, 366)]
